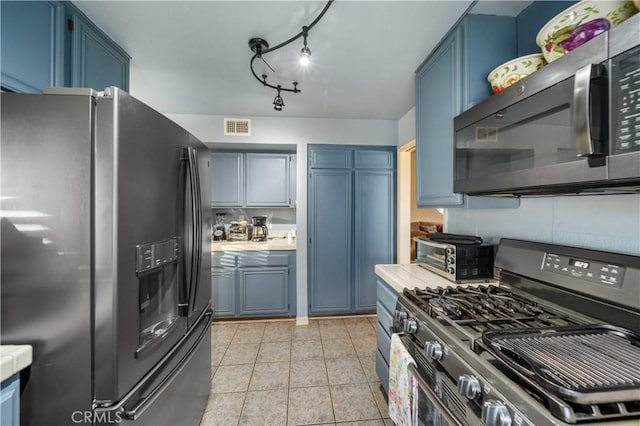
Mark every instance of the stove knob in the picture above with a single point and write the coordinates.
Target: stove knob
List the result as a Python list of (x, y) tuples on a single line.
[(451, 250), (451, 260), (433, 350), (409, 326), (451, 270), (495, 413), (469, 387), (400, 316)]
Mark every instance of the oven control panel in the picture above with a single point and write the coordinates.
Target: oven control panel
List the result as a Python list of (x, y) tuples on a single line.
[(588, 270)]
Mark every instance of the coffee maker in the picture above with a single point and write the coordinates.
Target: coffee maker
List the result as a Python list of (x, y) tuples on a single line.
[(260, 231), (219, 232)]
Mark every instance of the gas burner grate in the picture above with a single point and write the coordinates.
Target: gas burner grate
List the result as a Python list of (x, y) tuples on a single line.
[(483, 308), (587, 365)]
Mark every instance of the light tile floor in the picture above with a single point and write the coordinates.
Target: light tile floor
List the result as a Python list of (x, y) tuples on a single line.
[(277, 373)]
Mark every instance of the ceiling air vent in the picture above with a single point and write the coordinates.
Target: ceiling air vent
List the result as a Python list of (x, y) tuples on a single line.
[(237, 127)]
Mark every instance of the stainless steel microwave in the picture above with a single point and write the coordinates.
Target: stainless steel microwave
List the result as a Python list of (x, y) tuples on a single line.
[(571, 127)]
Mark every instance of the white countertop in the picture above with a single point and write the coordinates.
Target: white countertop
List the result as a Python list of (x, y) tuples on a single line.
[(275, 244), (14, 358), (409, 276)]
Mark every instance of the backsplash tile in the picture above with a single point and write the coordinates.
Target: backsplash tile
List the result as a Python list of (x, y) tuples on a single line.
[(276, 217), (600, 222)]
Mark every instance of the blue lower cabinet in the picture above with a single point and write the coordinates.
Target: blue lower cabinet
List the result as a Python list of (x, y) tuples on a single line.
[(386, 305), (223, 283), (263, 291), (10, 401), (253, 283), (382, 369)]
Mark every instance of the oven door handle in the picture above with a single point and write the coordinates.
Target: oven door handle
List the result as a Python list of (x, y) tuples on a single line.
[(433, 398)]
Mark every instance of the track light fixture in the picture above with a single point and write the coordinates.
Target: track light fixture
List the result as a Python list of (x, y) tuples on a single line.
[(260, 47), (278, 103), (305, 52)]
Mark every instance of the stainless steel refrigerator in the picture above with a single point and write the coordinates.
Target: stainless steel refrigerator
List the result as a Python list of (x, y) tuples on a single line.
[(105, 259)]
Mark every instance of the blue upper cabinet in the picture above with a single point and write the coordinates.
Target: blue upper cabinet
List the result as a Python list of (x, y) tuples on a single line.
[(453, 79), (267, 180), (438, 84), (252, 179), (227, 175), (52, 44), (32, 40), (293, 179), (96, 61)]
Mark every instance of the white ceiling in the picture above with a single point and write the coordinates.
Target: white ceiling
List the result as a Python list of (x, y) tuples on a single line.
[(192, 57)]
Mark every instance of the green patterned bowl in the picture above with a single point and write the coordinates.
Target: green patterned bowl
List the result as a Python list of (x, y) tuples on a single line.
[(514, 70), (579, 24)]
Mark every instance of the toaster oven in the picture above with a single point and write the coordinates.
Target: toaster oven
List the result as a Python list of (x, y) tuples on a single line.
[(459, 263)]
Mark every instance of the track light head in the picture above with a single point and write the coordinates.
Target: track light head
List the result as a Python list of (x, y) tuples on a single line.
[(305, 54)]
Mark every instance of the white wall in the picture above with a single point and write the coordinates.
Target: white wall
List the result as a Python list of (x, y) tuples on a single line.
[(600, 222), (284, 130), (301, 132), (407, 127)]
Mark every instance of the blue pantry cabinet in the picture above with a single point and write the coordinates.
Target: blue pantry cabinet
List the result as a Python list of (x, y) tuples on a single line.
[(52, 44), (451, 80), (351, 220), (374, 231), (330, 241)]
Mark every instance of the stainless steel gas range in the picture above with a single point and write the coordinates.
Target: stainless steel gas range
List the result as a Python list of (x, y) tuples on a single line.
[(556, 341)]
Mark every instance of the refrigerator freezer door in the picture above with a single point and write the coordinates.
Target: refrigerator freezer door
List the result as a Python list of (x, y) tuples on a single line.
[(46, 252), (140, 180), (175, 392)]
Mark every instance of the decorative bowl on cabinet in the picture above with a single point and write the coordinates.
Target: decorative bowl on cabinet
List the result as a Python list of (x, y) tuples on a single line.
[(514, 70), (580, 23)]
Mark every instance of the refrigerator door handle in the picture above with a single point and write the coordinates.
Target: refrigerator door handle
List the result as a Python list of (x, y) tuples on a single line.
[(198, 227), (191, 264), (145, 402)]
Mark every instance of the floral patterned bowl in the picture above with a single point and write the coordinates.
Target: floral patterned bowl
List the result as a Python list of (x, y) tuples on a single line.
[(514, 70), (579, 24)]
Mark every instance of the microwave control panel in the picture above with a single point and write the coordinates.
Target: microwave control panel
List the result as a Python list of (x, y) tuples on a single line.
[(588, 270), (625, 114)]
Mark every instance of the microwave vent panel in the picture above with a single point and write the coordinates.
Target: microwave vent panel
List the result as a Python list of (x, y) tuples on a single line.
[(486, 134), (237, 127)]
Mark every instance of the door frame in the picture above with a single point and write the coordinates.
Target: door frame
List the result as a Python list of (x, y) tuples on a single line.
[(404, 202)]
